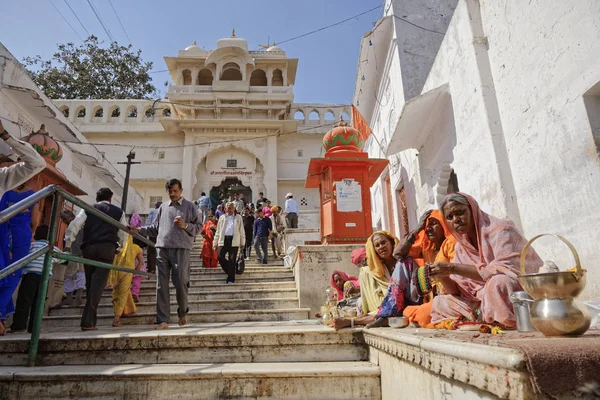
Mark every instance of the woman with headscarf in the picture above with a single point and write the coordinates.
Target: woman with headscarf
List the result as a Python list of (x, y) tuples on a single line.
[(486, 266), (344, 284), (408, 288), (374, 278), (131, 256), (208, 255)]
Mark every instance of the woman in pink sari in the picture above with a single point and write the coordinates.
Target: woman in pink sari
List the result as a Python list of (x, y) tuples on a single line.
[(486, 266), (136, 281), (345, 284)]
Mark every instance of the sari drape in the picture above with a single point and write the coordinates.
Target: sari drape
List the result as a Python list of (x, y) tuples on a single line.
[(497, 259), (347, 278), (122, 298), (208, 255)]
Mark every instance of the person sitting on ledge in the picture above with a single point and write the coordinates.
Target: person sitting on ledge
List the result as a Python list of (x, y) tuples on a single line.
[(486, 266), (374, 278), (430, 242), (345, 285)]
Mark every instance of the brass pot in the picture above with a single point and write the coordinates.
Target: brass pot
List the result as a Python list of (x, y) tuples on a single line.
[(555, 310)]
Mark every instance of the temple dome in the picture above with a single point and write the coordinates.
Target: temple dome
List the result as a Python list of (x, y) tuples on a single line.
[(274, 48), (343, 137), (193, 50), (47, 147), (232, 41)]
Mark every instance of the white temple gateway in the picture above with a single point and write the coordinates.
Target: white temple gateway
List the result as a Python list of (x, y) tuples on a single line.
[(229, 124)]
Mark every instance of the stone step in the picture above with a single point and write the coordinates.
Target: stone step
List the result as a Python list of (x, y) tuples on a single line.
[(218, 286), (196, 343), (151, 283), (259, 270), (324, 380), (195, 295), (194, 305), (283, 314)]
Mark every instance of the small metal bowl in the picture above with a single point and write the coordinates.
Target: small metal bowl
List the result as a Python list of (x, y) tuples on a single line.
[(398, 322)]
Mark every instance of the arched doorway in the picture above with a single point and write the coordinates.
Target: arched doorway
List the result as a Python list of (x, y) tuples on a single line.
[(225, 191)]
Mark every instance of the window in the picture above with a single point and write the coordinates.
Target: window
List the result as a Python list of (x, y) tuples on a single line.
[(258, 78), (161, 155), (99, 113), (116, 113), (132, 112), (231, 163), (154, 200), (300, 153), (187, 77), (166, 112), (299, 115), (277, 79), (314, 116), (149, 114), (205, 77), (231, 72), (65, 112), (304, 202), (81, 113), (591, 99)]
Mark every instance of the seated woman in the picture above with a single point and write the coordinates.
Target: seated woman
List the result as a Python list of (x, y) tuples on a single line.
[(345, 285), (486, 266), (431, 241), (374, 278)]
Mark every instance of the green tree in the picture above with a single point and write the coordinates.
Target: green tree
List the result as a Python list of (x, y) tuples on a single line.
[(90, 71)]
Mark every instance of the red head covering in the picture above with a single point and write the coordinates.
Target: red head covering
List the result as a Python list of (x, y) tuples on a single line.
[(345, 277), (358, 255)]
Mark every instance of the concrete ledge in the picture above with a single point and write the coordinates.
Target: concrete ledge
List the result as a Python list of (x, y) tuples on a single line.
[(475, 370)]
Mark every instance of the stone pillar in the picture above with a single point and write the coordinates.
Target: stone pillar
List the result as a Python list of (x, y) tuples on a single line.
[(188, 164), (270, 166)]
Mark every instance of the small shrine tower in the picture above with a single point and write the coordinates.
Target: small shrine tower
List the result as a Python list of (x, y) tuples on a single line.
[(344, 178)]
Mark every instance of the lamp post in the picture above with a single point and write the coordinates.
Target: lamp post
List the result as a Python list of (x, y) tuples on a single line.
[(130, 157)]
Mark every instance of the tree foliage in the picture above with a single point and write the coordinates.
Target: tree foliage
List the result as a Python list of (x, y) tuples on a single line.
[(90, 71)]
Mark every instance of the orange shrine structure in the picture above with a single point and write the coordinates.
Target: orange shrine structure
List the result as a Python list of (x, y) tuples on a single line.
[(344, 178), (50, 150)]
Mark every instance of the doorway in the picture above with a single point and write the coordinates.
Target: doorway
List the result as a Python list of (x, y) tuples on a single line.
[(225, 191)]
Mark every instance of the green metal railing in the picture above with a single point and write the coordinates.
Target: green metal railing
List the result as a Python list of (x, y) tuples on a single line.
[(48, 252)]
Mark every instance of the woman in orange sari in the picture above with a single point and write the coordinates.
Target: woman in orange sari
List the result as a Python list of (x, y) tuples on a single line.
[(208, 255)]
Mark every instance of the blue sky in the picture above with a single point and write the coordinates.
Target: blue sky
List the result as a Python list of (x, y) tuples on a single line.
[(327, 59)]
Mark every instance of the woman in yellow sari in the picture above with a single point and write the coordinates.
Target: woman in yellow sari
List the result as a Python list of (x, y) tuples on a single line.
[(132, 257), (374, 278)]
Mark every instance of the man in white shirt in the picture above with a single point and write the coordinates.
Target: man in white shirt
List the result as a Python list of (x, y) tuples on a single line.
[(239, 204), (230, 237), (291, 211)]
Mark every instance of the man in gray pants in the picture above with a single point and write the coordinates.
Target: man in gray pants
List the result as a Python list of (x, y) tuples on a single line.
[(175, 227)]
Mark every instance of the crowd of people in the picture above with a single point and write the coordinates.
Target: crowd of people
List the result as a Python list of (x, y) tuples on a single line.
[(172, 226), (235, 227), (459, 266)]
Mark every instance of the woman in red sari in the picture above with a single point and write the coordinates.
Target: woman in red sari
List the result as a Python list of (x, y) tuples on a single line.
[(208, 255)]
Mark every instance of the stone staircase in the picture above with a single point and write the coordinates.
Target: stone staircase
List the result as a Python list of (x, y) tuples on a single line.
[(249, 340)]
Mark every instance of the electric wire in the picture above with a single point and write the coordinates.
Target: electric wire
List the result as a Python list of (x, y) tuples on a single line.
[(328, 26), (63, 17), (119, 19), (76, 16), (112, 39)]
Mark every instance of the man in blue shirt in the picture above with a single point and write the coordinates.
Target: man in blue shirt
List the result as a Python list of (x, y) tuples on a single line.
[(204, 204), (291, 211), (262, 230)]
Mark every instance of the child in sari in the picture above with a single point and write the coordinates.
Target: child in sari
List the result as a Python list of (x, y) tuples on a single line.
[(131, 256)]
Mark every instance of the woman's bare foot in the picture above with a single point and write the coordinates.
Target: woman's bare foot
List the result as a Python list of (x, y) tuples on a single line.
[(2, 329), (162, 325), (379, 323), (117, 324), (182, 321), (341, 323)]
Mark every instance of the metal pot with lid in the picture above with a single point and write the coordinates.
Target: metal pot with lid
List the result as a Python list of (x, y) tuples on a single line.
[(555, 310)]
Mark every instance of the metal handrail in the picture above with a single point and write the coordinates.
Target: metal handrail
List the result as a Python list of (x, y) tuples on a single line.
[(49, 253)]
